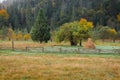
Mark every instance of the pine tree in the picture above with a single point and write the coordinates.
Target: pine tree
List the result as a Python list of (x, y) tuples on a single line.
[(28, 17), (40, 31)]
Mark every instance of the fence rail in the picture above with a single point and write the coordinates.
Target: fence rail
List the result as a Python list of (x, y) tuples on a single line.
[(70, 50)]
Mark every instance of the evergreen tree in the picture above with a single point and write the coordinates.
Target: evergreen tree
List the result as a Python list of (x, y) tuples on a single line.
[(28, 17), (24, 12), (40, 31)]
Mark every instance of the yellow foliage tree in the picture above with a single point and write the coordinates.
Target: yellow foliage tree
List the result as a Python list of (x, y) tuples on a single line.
[(14, 36), (89, 24), (10, 33), (112, 33), (83, 21), (4, 14), (27, 36), (86, 23), (84, 28), (75, 31), (19, 36)]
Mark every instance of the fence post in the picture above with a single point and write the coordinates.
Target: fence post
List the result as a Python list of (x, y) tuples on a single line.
[(60, 50), (42, 49), (26, 48), (12, 45), (99, 51), (78, 50)]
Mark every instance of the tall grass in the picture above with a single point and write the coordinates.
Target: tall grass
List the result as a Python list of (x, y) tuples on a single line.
[(58, 67), (24, 44)]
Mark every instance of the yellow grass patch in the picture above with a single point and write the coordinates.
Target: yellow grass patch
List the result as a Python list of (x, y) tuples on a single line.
[(24, 44), (54, 67), (107, 43)]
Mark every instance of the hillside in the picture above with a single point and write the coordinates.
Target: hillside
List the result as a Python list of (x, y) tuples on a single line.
[(101, 12)]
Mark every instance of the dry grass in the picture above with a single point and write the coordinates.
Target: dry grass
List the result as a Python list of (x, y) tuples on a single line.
[(24, 44), (107, 43), (58, 67)]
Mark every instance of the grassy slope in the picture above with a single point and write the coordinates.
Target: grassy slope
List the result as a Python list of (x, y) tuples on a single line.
[(42, 66)]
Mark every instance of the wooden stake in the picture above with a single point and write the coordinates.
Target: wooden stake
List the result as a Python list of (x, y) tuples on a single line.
[(12, 45)]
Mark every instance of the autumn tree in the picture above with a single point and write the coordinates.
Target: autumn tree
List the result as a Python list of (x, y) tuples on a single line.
[(40, 31), (27, 37), (19, 36), (75, 31), (10, 33), (65, 33), (103, 33), (112, 34), (14, 36), (106, 32), (4, 16), (84, 29)]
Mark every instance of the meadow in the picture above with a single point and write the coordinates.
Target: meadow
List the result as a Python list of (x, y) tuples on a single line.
[(22, 65), (55, 66), (23, 44)]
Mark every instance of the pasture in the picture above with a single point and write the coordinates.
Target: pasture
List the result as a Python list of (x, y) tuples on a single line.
[(55, 66), (22, 65), (23, 44), (64, 47)]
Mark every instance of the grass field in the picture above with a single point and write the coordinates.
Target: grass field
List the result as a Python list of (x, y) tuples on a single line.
[(49, 66), (23, 44)]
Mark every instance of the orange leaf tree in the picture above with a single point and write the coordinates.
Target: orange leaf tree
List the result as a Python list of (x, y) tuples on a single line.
[(4, 16), (10, 33), (19, 36), (27, 36)]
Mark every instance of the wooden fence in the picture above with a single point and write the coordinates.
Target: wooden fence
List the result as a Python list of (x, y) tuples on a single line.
[(70, 50)]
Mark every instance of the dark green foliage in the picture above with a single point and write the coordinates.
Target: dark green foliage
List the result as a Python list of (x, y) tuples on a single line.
[(24, 12), (28, 17), (40, 31), (105, 32), (3, 33)]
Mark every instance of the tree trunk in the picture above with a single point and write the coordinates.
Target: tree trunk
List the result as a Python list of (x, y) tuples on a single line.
[(73, 43), (80, 42), (12, 45), (9, 39), (113, 40)]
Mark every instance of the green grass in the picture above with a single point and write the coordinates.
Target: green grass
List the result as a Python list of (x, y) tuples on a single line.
[(11, 52)]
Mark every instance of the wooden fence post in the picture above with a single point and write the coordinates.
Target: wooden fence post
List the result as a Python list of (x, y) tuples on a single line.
[(12, 45), (26, 48), (60, 50), (99, 51), (78, 50), (42, 49)]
